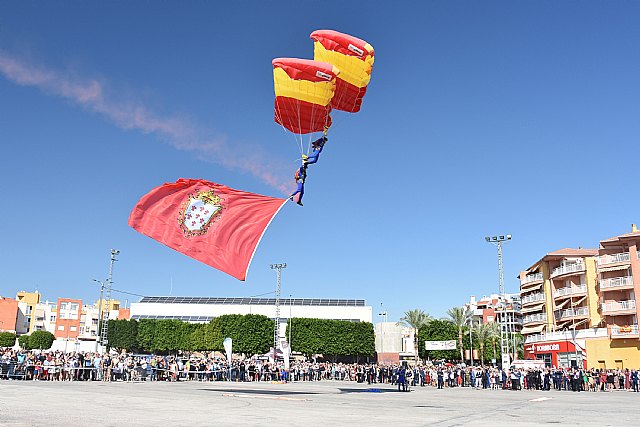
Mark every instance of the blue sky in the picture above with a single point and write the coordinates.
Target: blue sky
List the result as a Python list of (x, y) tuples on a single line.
[(481, 118)]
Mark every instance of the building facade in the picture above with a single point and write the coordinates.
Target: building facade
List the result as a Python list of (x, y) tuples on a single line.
[(618, 267), (8, 314), (491, 308), (579, 305)]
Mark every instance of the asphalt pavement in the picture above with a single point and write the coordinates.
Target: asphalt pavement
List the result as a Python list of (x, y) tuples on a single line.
[(326, 403)]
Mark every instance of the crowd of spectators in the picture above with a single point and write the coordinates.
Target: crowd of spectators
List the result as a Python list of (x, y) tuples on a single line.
[(87, 366)]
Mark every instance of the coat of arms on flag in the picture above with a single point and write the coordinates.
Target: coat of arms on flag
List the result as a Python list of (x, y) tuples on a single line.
[(199, 212)]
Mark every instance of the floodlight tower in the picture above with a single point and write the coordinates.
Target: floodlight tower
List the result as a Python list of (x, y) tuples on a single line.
[(504, 333), (107, 300), (276, 328)]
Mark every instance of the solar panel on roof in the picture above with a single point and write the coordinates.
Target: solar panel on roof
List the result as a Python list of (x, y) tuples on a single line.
[(323, 302)]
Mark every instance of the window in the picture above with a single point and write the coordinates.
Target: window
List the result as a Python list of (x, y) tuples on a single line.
[(29, 309), (53, 318), (61, 328), (73, 328), (73, 306)]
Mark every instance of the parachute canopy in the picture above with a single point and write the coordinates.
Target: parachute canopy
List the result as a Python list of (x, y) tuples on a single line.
[(353, 57), (304, 89)]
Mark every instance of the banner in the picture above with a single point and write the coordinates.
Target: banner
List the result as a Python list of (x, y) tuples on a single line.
[(227, 343), (440, 345)]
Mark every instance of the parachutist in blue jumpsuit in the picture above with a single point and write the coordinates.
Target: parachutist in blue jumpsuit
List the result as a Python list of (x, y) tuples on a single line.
[(300, 176), (317, 145)]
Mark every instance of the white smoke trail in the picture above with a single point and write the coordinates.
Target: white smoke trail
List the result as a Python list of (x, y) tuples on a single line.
[(179, 133)]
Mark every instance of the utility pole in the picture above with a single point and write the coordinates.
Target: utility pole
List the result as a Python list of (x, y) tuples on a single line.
[(276, 328), (103, 322), (383, 317), (504, 332), (471, 339), (290, 321)]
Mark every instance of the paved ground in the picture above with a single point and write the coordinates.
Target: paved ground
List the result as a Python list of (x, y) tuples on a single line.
[(300, 404)]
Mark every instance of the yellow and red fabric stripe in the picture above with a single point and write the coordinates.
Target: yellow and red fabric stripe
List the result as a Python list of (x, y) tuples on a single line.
[(353, 57), (303, 89)]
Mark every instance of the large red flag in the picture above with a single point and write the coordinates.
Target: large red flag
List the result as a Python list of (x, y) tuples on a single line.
[(210, 222)]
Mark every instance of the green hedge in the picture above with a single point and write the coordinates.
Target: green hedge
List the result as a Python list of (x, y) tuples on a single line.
[(251, 334), (332, 337), (7, 339)]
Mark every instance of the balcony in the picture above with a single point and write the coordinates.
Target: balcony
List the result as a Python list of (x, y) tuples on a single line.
[(533, 298), (568, 268), (563, 335), (537, 277), (616, 307), (570, 290), (535, 318), (613, 258), (616, 283), (624, 331), (572, 312)]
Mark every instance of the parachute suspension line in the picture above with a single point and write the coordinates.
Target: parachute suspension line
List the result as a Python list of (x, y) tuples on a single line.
[(290, 122)]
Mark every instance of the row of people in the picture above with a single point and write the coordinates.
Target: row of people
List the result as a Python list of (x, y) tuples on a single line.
[(60, 366)]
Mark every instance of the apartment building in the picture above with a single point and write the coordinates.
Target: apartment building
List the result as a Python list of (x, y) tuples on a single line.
[(27, 303), (618, 285), (560, 306), (579, 305), (489, 309), (8, 314)]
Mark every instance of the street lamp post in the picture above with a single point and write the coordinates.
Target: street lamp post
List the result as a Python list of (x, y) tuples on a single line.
[(276, 329), (504, 338), (471, 339), (290, 321), (383, 318)]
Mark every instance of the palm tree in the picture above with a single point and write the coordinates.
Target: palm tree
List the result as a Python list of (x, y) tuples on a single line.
[(460, 316), (519, 343), (484, 331), (416, 319)]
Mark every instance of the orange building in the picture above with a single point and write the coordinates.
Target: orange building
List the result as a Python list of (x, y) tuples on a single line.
[(580, 305), (68, 318), (8, 314)]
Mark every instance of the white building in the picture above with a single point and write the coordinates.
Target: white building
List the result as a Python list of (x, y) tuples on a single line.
[(394, 342), (204, 309)]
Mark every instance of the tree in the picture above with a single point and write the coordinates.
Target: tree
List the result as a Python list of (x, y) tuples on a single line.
[(460, 316), (439, 330), (416, 319), (332, 337), (23, 341), (123, 334), (519, 342), (7, 339), (485, 332), (251, 333), (41, 340)]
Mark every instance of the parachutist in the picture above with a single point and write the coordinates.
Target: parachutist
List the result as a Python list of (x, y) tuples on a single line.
[(317, 145), (300, 176)]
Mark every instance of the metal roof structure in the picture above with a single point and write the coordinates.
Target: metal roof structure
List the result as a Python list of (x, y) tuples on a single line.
[(319, 302)]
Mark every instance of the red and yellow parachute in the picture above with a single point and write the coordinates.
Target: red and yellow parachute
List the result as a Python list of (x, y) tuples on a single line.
[(307, 90), (304, 89), (353, 57)]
